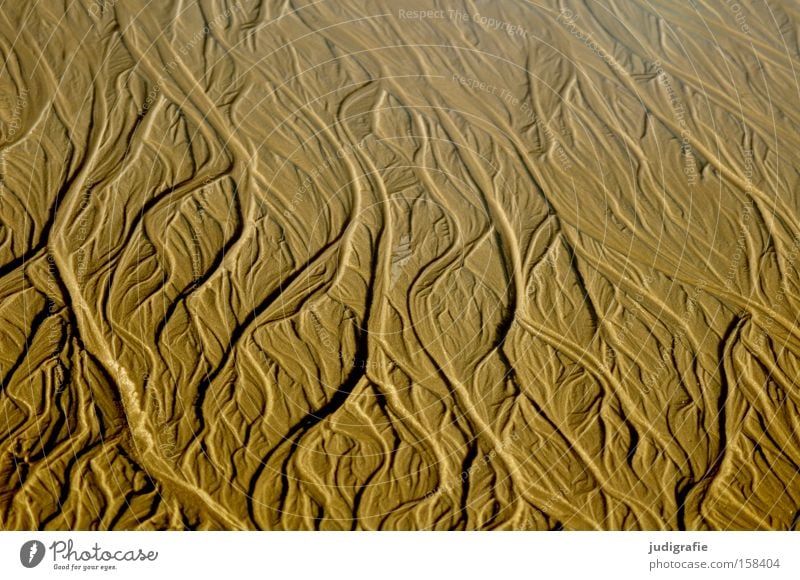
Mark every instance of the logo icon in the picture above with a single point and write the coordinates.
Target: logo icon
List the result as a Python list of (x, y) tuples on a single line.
[(31, 553)]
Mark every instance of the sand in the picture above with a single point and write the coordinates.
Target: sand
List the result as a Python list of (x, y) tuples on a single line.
[(404, 266)]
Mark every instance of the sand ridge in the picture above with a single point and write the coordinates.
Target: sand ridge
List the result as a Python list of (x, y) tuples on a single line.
[(361, 265)]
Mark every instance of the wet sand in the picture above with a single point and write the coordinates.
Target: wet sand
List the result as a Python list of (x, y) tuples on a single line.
[(369, 265)]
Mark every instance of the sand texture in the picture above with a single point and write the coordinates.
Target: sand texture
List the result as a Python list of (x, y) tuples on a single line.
[(336, 265)]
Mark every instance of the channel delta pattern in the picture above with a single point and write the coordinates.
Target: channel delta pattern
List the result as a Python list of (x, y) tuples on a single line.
[(371, 265)]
